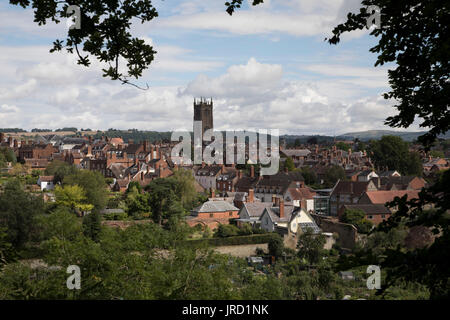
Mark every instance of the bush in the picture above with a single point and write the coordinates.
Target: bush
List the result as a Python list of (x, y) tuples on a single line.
[(245, 230), (259, 252), (231, 241), (276, 246), (226, 230)]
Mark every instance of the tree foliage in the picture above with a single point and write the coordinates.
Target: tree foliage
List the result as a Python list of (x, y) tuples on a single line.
[(18, 210), (59, 169), (357, 217), (333, 174), (416, 36), (93, 184), (104, 33), (73, 197), (310, 246), (393, 152)]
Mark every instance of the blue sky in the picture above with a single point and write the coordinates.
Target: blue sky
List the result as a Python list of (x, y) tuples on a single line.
[(265, 67)]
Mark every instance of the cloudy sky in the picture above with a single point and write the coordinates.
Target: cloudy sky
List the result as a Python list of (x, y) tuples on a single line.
[(265, 67)]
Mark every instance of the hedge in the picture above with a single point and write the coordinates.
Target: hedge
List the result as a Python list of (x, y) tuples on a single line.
[(231, 241)]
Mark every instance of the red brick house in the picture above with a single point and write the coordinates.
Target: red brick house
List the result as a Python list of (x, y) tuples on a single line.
[(212, 213), (381, 197), (348, 192), (376, 213)]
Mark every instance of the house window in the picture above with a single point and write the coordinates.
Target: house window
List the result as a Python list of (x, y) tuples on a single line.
[(211, 215), (231, 214), (383, 216), (370, 217)]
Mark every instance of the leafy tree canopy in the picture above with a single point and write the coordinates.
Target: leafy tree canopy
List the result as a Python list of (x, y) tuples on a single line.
[(393, 152)]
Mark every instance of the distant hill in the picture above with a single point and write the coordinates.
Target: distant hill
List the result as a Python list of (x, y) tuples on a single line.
[(377, 134)]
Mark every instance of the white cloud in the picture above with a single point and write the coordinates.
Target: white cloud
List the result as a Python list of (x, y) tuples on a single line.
[(251, 95)]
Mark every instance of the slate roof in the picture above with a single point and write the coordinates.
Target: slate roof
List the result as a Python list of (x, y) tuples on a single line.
[(387, 173), (351, 187), (132, 148), (402, 181), (215, 206), (296, 152), (208, 171), (274, 213), (246, 183), (237, 196), (256, 209)]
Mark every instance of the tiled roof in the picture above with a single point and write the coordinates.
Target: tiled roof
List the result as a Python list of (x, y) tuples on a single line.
[(387, 196), (301, 193), (46, 178)]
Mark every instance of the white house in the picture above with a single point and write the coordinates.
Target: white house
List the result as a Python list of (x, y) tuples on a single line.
[(46, 182)]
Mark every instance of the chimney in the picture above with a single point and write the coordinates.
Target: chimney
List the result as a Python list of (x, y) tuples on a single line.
[(203, 164), (252, 171), (251, 195), (222, 168), (159, 172), (240, 174), (213, 193), (142, 176), (281, 208), (277, 201), (274, 199)]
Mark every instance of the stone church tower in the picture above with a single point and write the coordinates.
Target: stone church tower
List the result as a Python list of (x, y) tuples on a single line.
[(203, 111)]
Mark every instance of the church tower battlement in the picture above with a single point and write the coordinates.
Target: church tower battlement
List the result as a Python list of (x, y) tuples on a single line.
[(203, 111)]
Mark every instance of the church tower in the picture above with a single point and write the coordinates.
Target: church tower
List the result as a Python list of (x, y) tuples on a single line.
[(203, 111)]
